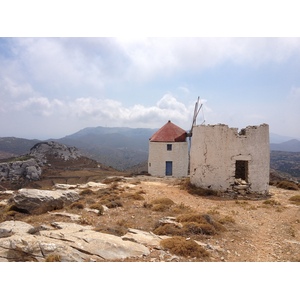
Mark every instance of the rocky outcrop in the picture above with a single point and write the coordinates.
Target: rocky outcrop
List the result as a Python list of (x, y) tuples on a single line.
[(34, 201), (15, 170), (42, 151), (29, 167), (66, 242)]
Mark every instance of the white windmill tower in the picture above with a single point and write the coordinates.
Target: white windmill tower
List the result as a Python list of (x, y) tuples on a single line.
[(196, 112)]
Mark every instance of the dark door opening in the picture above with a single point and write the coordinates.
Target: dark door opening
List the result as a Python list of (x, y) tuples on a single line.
[(169, 168), (241, 169)]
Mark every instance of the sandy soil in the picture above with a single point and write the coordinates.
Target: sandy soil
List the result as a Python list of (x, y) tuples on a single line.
[(261, 232)]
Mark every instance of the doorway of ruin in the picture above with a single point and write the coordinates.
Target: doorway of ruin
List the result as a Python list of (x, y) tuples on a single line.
[(241, 169)]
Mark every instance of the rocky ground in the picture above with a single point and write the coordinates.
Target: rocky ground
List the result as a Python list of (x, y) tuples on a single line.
[(249, 230)]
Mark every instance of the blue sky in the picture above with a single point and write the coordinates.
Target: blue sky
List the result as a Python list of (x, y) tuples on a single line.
[(51, 87)]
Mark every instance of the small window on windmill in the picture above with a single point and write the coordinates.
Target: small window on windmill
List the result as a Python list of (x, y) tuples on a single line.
[(169, 147), (241, 169)]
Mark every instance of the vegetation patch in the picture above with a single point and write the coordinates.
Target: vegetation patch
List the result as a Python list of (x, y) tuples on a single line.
[(226, 220), (108, 180), (159, 205), (295, 199), (114, 230), (99, 207), (182, 247), (288, 185), (86, 192), (192, 224), (53, 258), (77, 205), (134, 196), (272, 202)]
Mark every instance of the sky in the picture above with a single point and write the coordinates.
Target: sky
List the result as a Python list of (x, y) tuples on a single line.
[(55, 85)]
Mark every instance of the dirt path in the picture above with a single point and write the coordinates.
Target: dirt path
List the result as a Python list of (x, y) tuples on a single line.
[(261, 232)]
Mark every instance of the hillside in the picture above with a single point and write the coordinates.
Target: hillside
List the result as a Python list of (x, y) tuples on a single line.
[(286, 162), (288, 146)]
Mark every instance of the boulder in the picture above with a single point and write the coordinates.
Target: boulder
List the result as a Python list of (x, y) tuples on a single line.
[(34, 201)]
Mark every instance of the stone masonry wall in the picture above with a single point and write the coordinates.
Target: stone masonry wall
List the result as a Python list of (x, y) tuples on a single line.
[(158, 155), (215, 150)]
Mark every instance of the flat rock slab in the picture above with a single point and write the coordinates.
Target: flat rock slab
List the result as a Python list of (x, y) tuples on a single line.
[(69, 241)]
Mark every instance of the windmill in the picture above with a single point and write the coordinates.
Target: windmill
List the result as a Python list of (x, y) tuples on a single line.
[(190, 133)]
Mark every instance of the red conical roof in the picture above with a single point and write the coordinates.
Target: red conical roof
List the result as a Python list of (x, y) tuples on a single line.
[(169, 133)]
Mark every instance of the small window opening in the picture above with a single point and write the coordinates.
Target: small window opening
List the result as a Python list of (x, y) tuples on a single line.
[(169, 147), (241, 169)]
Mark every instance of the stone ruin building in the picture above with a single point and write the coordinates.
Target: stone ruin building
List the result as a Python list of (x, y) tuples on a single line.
[(220, 158), (224, 159)]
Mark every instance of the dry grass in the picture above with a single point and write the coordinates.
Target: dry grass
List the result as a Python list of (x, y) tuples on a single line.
[(193, 225), (86, 192), (182, 247), (271, 202), (77, 205), (288, 185), (295, 199), (53, 258), (117, 230)]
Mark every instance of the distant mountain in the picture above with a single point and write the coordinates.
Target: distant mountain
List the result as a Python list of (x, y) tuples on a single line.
[(276, 138), (289, 146), (12, 146), (118, 147)]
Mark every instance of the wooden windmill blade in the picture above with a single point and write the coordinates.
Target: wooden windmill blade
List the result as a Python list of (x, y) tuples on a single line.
[(196, 112)]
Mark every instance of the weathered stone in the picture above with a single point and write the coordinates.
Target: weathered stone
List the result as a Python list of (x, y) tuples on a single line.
[(35, 201), (29, 169), (5, 232), (72, 242), (143, 237)]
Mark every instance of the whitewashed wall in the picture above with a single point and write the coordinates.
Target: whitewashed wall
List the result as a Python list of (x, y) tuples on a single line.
[(215, 149), (158, 155)]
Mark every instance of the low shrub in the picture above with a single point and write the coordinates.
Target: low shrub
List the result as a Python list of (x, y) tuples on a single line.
[(161, 204), (53, 258), (114, 230), (99, 207), (272, 202), (134, 196), (226, 219), (77, 204), (112, 179), (168, 229), (194, 217), (86, 192), (295, 199), (198, 228), (180, 246), (288, 185)]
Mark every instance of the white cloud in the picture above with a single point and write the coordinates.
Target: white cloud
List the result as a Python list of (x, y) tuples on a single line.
[(108, 111), (41, 106)]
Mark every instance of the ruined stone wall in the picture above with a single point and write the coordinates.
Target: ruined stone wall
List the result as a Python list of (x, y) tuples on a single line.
[(158, 155), (215, 150)]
